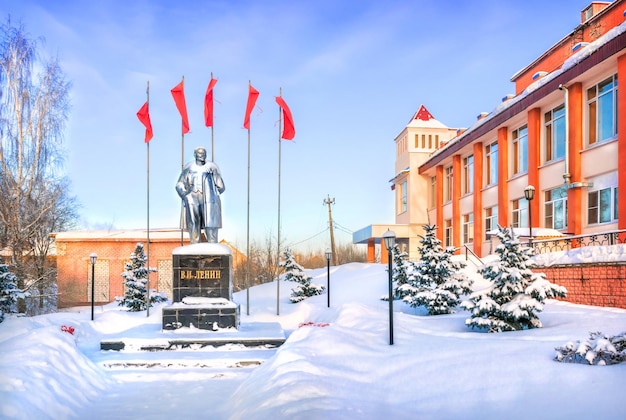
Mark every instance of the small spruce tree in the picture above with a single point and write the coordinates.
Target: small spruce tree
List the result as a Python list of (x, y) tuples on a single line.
[(135, 279), (295, 272), (401, 267), (436, 282), (9, 292), (516, 293)]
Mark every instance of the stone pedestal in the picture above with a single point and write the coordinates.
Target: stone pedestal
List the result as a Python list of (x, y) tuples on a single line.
[(202, 289)]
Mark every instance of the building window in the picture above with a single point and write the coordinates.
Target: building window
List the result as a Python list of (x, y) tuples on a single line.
[(491, 167), (602, 109), (602, 206), (448, 232), (448, 183), (468, 228), (433, 192), (491, 220), (555, 133), (520, 150), (556, 208), (520, 213), (403, 193), (468, 174)]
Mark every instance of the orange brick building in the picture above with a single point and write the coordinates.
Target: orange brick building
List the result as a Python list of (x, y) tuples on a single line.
[(113, 249)]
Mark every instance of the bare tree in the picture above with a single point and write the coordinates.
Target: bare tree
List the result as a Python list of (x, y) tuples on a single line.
[(34, 197)]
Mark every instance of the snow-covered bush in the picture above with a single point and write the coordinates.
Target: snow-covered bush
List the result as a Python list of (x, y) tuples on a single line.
[(598, 349), (516, 293), (135, 281), (435, 281), (9, 292), (295, 272)]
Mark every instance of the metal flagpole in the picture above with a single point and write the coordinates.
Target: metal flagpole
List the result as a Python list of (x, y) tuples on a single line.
[(182, 166), (248, 230), (212, 137), (280, 123), (148, 210)]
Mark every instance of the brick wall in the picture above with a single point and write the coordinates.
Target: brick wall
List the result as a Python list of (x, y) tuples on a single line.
[(597, 284), (113, 250)]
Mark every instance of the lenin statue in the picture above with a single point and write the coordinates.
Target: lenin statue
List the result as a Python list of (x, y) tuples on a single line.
[(199, 186)]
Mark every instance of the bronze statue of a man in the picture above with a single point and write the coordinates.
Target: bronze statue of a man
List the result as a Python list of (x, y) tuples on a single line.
[(199, 186)]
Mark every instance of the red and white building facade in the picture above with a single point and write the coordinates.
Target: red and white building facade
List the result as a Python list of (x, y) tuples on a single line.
[(562, 133)]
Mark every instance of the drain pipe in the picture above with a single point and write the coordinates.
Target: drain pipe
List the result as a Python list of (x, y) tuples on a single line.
[(567, 176)]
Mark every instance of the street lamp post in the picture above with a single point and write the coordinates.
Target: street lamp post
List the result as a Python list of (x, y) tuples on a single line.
[(93, 257), (328, 255), (389, 238), (529, 194)]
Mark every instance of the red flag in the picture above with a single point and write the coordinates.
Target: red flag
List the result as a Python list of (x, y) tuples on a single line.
[(178, 93), (253, 94), (289, 130), (208, 103), (144, 116)]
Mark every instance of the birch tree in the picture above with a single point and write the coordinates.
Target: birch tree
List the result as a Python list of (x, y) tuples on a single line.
[(34, 197)]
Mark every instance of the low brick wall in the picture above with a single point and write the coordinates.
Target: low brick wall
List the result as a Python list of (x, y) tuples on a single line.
[(597, 284)]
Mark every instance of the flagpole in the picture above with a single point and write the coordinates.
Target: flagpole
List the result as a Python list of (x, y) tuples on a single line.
[(148, 209), (248, 228), (212, 138), (280, 121), (182, 166)]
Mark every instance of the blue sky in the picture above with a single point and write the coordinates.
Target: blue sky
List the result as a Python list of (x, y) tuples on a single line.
[(352, 72)]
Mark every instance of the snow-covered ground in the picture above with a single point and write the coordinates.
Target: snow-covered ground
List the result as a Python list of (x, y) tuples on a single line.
[(437, 367)]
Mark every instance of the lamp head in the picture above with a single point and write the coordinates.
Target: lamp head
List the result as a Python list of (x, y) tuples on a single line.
[(529, 192), (390, 239), (93, 257)]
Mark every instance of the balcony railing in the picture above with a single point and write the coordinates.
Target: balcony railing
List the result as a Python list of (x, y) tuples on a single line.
[(566, 243)]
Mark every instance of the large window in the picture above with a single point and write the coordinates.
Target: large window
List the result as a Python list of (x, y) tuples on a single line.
[(433, 192), (468, 228), (491, 167), (556, 208), (448, 232), (403, 197), (491, 219), (520, 213), (602, 109), (555, 133), (520, 150), (448, 183), (602, 206), (468, 174)]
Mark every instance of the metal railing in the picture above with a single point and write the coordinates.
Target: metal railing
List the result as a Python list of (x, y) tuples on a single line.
[(468, 251), (566, 243)]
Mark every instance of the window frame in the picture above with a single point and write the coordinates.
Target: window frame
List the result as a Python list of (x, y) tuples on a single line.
[(554, 133), (519, 143), (596, 103)]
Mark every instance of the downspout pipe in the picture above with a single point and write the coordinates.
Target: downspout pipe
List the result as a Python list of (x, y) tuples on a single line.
[(567, 176)]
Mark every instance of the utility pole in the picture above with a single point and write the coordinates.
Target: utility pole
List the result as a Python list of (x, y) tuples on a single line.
[(330, 201)]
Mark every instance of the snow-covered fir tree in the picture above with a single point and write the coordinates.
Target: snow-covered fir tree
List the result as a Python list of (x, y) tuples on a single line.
[(295, 272), (436, 281), (9, 292), (400, 269), (135, 279), (516, 293)]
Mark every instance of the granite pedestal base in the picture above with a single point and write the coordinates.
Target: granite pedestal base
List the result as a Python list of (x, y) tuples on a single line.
[(202, 289), (205, 313)]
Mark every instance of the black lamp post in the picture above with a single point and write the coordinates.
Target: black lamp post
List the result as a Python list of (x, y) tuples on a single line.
[(328, 255), (93, 257), (529, 194), (390, 240)]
